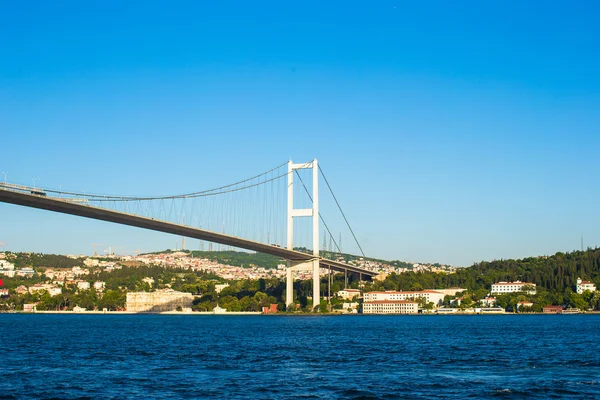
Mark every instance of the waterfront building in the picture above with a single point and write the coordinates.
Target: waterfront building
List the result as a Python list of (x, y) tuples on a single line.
[(526, 304), (492, 310), (582, 286), (430, 296), (446, 310), (512, 287), (350, 307), (488, 301), (271, 309), (219, 310), (553, 309), (457, 301), (348, 294), (158, 301), (390, 307)]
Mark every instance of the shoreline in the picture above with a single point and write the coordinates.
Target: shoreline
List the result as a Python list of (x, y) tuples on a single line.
[(256, 313)]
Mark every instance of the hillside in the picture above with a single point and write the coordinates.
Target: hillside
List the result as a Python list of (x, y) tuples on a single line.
[(555, 273), (555, 277), (36, 260), (246, 259), (240, 258)]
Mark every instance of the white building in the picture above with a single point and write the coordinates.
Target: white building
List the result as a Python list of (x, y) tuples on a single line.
[(26, 272), (582, 286), (488, 301), (149, 281), (159, 301), (525, 304), (348, 294), (445, 310), (390, 307), (99, 286), (220, 286), (430, 296), (512, 287), (90, 262), (51, 289), (83, 285), (8, 272), (79, 271)]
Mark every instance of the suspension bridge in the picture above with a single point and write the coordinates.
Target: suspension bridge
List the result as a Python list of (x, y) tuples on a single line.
[(267, 213)]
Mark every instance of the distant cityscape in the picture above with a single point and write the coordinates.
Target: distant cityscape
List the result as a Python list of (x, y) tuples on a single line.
[(181, 259), (199, 284)]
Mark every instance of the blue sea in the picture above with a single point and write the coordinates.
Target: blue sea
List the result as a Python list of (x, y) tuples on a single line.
[(299, 357)]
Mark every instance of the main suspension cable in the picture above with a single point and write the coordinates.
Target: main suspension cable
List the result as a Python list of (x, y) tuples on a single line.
[(342, 211), (320, 216), (204, 193)]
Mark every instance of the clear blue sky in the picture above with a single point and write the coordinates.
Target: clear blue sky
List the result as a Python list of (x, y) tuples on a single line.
[(453, 132)]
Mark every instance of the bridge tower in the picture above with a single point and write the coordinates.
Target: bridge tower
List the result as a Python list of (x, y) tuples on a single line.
[(313, 264)]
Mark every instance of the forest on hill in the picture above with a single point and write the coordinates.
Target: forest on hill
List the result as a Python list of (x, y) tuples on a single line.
[(552, 273), (555, 278)]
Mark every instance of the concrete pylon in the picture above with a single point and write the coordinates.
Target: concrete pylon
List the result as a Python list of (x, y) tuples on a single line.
[(311, 265)]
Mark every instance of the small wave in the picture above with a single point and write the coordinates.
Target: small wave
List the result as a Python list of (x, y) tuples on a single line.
[(357, 394)]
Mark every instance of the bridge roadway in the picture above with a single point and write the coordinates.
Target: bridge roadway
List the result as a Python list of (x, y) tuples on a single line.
[(68, 206)]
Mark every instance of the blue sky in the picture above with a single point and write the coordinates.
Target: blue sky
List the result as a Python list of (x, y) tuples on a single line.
[(451, 132)]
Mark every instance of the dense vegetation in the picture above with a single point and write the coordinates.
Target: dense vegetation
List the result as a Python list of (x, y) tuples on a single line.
[(554, 273), (240, 258), (21, 260), (555, 277)]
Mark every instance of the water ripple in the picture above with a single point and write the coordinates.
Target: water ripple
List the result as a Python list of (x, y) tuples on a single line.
[(354, 357)]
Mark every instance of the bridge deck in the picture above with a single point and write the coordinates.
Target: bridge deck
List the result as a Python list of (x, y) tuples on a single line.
[(19, 196)]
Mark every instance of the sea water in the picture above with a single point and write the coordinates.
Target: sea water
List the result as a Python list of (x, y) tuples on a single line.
[(299, 357)]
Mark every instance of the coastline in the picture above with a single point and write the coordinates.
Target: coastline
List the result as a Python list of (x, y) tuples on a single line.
[(255, 313)]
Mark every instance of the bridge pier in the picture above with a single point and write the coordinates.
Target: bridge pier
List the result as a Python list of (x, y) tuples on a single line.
[(306, 266)]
